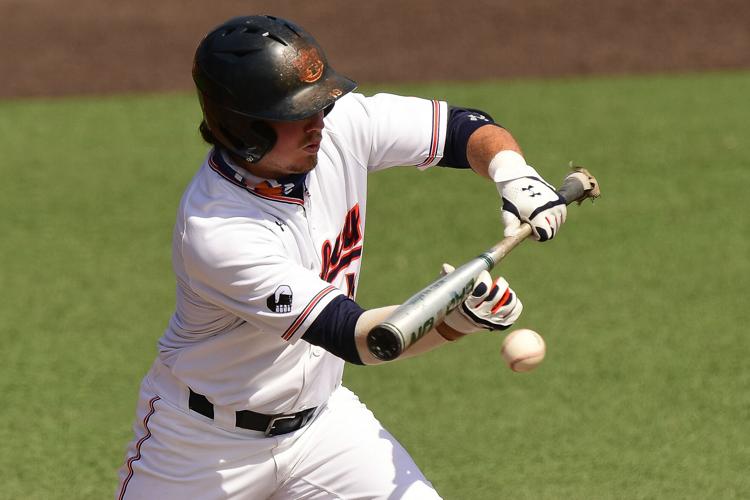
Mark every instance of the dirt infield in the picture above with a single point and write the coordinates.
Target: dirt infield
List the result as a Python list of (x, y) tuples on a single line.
[(53, 47)]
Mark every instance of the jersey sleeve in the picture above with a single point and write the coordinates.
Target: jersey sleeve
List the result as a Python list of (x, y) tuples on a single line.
[(240, 265), (388, 130)]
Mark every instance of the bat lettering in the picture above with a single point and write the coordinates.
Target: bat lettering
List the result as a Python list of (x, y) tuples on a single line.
[(458, 297), (422, 330)]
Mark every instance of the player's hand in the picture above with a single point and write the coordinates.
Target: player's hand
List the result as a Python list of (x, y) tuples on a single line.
[(532, 200), (490, 306)]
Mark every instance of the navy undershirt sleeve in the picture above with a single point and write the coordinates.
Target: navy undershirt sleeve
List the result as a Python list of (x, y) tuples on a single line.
[(333, 329), (462, 122)]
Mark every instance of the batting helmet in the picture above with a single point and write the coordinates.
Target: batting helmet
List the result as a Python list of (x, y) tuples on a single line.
[(256, 68)]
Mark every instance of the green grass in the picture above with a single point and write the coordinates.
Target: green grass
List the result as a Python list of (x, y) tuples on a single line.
[(642, 298)]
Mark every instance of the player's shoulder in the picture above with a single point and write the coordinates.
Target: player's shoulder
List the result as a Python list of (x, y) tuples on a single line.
[(211, 204), (355, 114), (359, 105), (222, 229), (355, 108), (209, 195), (351, 106), (357, 102)]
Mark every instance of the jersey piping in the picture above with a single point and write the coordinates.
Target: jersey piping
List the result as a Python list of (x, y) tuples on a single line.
[(435, 137), (289, 333)]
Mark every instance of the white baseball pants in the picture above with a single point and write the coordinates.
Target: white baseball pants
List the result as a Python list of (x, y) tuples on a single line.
[(343, 453)]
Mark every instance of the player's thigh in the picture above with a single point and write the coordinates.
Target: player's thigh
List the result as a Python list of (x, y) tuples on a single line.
[(175, 456), (349, 454)]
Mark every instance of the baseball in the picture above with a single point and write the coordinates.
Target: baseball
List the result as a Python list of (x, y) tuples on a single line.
[(523, 350)]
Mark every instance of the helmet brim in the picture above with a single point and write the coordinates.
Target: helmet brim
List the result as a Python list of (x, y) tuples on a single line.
[(308, 100)]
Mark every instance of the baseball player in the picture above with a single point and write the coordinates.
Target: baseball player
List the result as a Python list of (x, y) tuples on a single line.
[(244, 399)]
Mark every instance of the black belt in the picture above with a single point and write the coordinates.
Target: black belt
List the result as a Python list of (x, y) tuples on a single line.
[(271, 425)]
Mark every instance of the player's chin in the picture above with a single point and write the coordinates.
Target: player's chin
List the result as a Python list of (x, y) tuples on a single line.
[(305, 164)]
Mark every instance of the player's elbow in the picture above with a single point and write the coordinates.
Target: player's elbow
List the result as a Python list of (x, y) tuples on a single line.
[(334, 329)]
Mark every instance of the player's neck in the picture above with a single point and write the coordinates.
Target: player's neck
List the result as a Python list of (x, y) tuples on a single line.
[(258, 170)]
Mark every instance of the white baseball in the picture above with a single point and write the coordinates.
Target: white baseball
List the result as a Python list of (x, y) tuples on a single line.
[(523, 350)]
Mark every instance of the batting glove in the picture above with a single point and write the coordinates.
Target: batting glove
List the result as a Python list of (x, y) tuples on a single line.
[(490, 306), (527, 197)]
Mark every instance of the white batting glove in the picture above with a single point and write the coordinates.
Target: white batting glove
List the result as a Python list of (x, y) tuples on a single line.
[(527, 197), (490, 306)]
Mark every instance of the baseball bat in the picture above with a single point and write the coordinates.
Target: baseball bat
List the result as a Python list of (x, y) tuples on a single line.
[(427, 308)]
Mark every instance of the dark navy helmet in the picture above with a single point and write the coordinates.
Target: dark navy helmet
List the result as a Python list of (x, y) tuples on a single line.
[(253, 69)]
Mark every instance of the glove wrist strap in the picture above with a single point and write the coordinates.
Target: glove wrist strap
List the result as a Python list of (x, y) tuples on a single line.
[(456, 322), (508, 165), (449, 333)]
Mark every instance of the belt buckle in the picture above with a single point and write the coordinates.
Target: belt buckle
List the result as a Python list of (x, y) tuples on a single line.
[(272, 423)]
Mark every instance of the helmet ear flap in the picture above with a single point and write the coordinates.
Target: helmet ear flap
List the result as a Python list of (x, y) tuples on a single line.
[(257, 139), (243, 136), (264, 138)]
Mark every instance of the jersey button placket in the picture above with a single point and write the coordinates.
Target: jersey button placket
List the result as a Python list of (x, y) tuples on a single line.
[(307, 207), (310, 223)]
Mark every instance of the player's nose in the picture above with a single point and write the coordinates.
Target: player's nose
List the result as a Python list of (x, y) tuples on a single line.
[(315, 123)]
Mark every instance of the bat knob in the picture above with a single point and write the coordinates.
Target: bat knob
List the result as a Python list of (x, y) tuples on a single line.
[(385, 342)]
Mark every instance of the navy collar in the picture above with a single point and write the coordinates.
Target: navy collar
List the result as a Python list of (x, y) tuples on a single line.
[(287, 189)]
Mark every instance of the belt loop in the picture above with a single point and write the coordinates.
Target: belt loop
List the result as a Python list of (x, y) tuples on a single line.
[(225, 418)]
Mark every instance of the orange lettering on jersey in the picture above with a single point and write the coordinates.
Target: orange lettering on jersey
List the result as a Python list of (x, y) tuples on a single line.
[(346, 249)]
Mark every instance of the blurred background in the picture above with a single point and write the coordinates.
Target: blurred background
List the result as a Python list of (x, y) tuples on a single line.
[(53, 47), (642, 299)]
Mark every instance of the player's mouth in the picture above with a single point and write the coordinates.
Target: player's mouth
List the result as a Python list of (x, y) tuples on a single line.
[(313, 145), (312, 148)]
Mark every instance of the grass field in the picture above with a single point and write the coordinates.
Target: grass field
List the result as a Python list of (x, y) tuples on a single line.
[(645, 392)]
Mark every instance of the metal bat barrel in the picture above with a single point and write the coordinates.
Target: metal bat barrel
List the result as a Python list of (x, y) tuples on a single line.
[(427, 309)]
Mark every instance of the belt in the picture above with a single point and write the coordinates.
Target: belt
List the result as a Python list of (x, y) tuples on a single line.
[(270, 425)]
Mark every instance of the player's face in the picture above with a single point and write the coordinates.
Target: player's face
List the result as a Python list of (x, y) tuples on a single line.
[(296, 148)]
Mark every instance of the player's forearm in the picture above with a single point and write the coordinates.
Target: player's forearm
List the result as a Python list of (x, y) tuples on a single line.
[(485, 143), (372, 317)]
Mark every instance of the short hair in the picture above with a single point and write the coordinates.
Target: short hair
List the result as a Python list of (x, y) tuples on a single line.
[(206, 133)]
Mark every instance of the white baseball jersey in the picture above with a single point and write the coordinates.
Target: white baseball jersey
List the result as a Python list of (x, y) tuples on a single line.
[(255, 264)]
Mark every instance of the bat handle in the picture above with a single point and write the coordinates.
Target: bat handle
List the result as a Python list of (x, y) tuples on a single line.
[(579, 185), (415, 317), (576, 187)]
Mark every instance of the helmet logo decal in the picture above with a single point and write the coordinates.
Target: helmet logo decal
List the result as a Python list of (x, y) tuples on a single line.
[(309, 66)]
